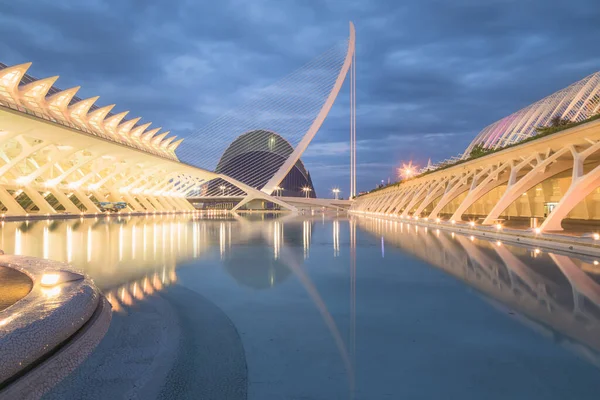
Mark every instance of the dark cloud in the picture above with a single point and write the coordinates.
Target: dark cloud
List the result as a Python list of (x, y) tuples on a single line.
[(431, 73)]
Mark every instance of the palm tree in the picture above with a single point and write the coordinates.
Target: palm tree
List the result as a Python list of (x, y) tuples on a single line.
[(557, 121)]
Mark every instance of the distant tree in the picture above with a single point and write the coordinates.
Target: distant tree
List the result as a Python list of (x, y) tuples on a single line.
[(556, 123), (478, 151)]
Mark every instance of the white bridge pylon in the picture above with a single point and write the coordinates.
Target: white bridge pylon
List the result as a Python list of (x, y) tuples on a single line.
[(288, 114), (269, 188), (61, 153)]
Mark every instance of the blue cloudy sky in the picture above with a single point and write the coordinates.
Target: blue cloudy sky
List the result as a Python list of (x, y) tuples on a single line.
[(431, 73)]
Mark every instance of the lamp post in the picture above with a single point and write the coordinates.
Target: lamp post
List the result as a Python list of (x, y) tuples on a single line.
[(306, 190), (336, 192)]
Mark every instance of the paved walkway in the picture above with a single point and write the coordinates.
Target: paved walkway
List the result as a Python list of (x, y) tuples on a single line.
[(14, 286)]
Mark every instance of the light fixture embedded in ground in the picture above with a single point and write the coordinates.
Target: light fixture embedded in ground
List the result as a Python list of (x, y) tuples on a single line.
[(49, 279)]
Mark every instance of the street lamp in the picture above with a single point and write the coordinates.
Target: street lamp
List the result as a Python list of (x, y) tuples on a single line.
[(222, 187), (407, 171), (306, 190), (335, 191)]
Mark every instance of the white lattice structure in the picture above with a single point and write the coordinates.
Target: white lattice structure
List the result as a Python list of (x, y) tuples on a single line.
[(575, 103), (61, 153), (552, 178), (293, 109)]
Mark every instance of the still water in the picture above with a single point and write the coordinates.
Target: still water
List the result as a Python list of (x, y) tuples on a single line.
[(282, 307)]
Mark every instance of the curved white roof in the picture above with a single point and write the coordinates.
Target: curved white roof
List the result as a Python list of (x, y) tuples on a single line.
[(576, 102), (38, 97)]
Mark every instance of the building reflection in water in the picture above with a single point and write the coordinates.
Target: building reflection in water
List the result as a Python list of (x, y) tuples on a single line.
[(555, 294), (131, 258), (116, 250)]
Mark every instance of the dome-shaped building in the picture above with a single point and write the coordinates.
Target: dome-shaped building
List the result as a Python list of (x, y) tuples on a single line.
[(254, 157)]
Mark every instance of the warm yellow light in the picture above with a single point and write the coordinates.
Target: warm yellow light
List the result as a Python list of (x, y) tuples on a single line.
[(472, 223), (596, 262), (453, 221), (538, 231), (472, 238), (537, 251), (51, 292), (22, 180), (49, 279), (437, 220), (498, 226), (407, 170), (499, 243), (596, 236)]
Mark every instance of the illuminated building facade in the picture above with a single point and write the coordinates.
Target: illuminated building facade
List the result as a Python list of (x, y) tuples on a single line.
[(63, 154), (554, 178)]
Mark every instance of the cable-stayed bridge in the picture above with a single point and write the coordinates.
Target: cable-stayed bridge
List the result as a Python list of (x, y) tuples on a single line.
[(63, 154)]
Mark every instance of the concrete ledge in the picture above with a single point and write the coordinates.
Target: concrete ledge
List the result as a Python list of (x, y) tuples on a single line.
[(47, 334)]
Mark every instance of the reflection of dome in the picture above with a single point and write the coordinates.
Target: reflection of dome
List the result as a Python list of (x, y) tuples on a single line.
[(255, 156), (255, 266)]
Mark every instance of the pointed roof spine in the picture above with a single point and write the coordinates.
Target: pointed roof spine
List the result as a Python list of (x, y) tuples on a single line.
[(166, 142), (78, 111), (138, 130), (175, 145), (60, 100), (156, 139), (110, 123), (124, 128), (9, 81), (147, 136), (96, 117), (37, 90)]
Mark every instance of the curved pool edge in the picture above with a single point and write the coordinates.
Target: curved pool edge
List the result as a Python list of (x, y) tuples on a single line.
[(50, 331), (15, 286)]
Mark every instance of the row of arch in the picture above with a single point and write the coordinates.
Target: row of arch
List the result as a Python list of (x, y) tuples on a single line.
[(564, 171)]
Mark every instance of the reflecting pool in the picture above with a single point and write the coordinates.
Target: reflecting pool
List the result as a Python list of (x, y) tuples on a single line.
[(278, 306)]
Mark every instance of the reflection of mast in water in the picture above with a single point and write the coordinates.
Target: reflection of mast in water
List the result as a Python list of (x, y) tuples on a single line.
[(353, 291), (336, 238)]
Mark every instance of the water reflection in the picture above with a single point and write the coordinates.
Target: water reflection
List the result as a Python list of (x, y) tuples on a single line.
[(117, 251), (557, 295)]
